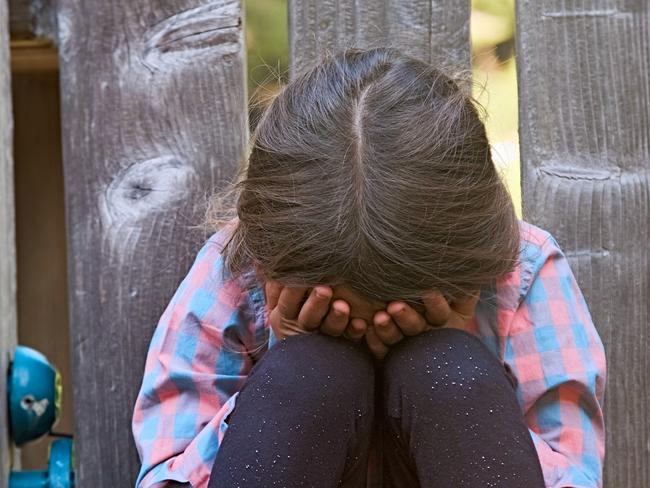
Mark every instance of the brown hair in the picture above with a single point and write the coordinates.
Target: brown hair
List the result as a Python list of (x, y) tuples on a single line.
[(373, 169)]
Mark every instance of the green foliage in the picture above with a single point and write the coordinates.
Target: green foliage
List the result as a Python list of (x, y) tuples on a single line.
[(493, 22), (267, 41), (499, 8), (496, 90)]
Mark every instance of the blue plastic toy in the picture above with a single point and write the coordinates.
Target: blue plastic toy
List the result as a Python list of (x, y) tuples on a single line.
[(58, 475), (34, 393)]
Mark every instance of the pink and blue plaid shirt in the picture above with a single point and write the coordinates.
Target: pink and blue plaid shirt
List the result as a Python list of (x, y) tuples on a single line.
[(535, 320)]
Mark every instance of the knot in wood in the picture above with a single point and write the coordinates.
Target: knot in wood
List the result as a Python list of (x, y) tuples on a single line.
[(146, 187)]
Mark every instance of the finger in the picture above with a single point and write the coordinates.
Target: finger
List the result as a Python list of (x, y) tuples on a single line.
[(386, 329), (336, 319), (315, 308), (284, 328), (437, 310), (376, 346), (466, 307), (408, 320), (463, 310), (290, 301), (276, 324), (272, 291), (355, 330)]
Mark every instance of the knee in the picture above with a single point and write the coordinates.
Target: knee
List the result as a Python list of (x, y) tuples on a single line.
[(445, 365), (330, 369)]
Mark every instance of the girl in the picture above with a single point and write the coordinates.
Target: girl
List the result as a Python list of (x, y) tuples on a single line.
[(375, 290)]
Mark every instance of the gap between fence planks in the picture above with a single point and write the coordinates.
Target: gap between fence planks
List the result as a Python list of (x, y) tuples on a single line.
[(584, 84), (154, 117)]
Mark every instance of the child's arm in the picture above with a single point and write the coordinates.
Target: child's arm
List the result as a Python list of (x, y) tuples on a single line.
[(199, 357), (558, 359)]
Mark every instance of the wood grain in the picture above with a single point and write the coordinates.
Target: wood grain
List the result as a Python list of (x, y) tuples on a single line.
[(7, 242), (585, 129), (431, 30), (154, 118)]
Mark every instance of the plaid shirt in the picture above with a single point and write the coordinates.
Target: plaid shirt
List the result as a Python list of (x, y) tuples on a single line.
[(535, 320)]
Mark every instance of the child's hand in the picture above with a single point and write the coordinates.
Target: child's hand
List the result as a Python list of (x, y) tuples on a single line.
[(290, 313), (399, 319)]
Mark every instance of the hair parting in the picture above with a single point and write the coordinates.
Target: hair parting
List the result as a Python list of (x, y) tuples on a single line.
[(372, 169)]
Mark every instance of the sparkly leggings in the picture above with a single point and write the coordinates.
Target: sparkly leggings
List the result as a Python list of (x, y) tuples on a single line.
[(439, 411)]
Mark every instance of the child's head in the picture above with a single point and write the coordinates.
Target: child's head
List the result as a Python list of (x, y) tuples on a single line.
[(373, 170)]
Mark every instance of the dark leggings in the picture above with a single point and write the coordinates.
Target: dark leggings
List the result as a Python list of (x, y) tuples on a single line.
[(447, 416)]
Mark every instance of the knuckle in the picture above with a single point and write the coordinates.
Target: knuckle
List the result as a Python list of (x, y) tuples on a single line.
[(303, 323), (321, 295), (283, 309), (339, 323), (331, 328), (274, 317), (332, 332)]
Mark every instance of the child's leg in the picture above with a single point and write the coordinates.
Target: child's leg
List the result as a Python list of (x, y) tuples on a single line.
[(453, 417), (303, 418)]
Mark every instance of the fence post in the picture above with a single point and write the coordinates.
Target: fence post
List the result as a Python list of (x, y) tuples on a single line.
[(154, 118), (431, 30), (7, 241), (585, 144)]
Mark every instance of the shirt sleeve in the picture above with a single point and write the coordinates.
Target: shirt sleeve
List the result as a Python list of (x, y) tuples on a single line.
[(558, 359), (199, 357)]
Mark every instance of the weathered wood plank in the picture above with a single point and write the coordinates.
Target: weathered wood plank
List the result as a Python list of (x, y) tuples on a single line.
[(585, 132), (154, 117), (7, 241), (432, 30)]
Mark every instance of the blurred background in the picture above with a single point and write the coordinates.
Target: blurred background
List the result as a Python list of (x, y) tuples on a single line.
[(40, 217)]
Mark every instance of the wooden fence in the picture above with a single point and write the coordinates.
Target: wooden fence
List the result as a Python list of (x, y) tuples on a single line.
[(584, 95), (154, 118), (7, 239)]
